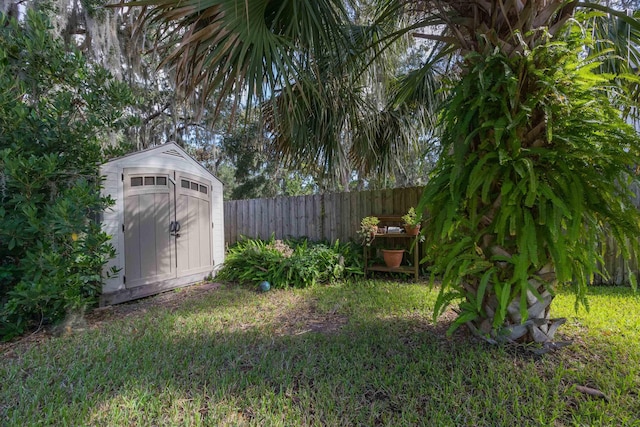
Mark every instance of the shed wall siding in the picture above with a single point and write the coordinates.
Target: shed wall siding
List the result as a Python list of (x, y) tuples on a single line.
[(111, 224), (217, 217)]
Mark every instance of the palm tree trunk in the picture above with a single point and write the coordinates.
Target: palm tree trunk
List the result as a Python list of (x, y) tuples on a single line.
[(538, 327)]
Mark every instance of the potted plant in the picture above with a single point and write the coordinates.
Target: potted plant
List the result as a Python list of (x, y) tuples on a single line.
[(392, 257), (368, 229), (411, 222)]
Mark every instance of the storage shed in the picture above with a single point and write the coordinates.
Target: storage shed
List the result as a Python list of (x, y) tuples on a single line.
[(167, 223)]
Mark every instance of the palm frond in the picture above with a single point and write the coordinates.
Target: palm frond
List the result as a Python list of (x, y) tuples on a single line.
[(238, 46)]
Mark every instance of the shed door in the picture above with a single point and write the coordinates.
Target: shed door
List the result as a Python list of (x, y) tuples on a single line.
[(193, 213), (149, 199), (167, 229)]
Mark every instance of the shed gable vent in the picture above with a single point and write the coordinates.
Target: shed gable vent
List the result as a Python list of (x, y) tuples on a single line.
[(174, 153)]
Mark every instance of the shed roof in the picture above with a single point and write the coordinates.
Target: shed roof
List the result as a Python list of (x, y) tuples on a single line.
[(170, 148)]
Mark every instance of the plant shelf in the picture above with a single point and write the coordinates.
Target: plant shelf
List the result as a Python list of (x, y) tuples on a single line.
[(411, 242)]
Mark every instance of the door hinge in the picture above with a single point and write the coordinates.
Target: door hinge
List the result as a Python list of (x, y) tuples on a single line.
[(124, 280), (122, 177), (123, 228), (211, 225)]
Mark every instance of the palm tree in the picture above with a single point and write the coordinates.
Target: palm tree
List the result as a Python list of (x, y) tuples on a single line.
[(313, 64), (539, 163), (537, 159), (539, 168)]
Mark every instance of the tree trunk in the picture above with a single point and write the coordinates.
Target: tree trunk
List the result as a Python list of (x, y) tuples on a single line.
[(538, 327)]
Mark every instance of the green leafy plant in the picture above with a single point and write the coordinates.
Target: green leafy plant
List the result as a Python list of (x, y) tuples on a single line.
[(296, 263), (411, 218), (368, 230), (55, 108)]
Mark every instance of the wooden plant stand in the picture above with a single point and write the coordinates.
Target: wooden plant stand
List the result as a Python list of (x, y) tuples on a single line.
[(385, 240)]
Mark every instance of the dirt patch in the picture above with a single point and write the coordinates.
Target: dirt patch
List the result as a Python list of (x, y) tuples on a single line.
[(7, 349), (307, 318), (98, 316), (461, 335), (170, 300)]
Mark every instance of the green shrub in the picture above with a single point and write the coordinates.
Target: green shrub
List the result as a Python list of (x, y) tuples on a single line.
[(292, 263), (55, 108), (54, 253)]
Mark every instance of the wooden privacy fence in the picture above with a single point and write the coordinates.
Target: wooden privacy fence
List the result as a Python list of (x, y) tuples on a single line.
[(334, 216), (327, 216), (613, 261)]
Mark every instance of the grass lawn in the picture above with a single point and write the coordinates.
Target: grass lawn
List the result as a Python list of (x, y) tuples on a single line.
[(362, 353)]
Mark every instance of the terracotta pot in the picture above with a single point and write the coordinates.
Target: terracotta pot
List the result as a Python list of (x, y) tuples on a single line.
[(412, 230), (392, 257)]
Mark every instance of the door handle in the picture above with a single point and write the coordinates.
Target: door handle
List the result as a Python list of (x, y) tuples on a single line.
[(174, 227)]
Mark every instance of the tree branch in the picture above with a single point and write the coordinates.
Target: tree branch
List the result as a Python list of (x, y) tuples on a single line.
[(157, 113)]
